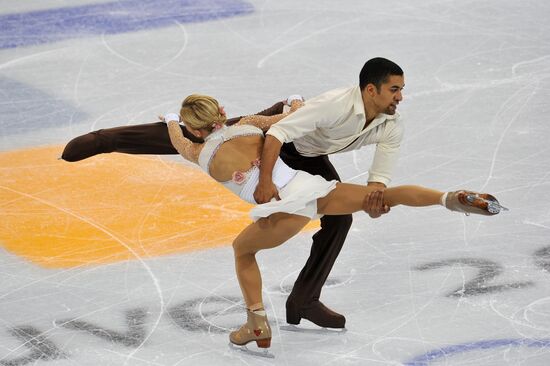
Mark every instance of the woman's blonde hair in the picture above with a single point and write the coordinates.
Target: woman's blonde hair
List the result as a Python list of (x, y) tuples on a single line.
[(201, 111)]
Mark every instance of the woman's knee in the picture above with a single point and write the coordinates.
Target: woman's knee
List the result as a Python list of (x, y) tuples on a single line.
[(242, 247), (237, 247)]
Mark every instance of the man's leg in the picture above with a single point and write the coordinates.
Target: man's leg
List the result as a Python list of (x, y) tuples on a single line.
[(149, 138), (303, 301)]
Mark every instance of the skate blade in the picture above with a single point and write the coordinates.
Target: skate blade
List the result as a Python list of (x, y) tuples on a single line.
[(323, 331), (493, 206), (264, 353)]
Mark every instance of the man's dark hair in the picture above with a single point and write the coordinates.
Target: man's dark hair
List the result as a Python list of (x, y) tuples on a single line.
[(377, 71)]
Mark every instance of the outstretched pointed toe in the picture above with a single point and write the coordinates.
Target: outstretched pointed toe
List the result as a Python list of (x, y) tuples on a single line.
[(471, 202)]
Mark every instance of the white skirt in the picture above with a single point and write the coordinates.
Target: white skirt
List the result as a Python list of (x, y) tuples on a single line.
[(299, 196)]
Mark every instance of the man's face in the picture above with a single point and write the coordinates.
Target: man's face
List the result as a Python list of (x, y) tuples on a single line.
[(390, 94)]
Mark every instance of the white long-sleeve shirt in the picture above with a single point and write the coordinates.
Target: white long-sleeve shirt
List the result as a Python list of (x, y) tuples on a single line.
[(333, 122)]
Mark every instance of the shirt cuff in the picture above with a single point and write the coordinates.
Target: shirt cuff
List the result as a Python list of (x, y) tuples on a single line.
[(277, 134), (379, 179)]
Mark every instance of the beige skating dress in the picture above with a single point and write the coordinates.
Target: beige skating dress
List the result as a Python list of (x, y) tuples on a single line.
[(298, 190)]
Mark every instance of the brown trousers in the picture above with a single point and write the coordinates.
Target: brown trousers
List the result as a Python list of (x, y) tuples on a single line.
[(153, 138), (327, 242)]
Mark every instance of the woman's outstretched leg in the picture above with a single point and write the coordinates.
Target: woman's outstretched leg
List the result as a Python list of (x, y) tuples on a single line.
[(263, 234), (348, 198)]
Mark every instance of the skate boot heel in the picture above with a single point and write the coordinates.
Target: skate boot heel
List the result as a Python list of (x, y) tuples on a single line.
[(263, 343), (292, 313)]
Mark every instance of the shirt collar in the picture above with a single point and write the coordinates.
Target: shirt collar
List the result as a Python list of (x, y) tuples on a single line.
[(358, 106)]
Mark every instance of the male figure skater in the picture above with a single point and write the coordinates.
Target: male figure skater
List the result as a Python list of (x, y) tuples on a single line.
[(337, 121)]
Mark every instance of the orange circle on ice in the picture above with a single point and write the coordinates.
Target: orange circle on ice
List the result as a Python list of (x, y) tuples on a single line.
[(111, 208)]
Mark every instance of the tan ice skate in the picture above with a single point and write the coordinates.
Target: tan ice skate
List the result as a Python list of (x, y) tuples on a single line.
[(471, 202), (256, 329)]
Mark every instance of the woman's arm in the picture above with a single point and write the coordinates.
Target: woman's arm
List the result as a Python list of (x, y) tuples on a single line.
[(190, 151), (264, 122)]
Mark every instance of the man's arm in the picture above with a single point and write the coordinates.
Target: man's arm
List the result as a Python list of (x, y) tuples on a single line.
[(382, 166), (385, 159), (313, 115), (386, 153), (266, 190)]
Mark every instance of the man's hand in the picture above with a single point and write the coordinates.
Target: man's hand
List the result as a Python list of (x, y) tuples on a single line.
[(265, 192), (373, 204)]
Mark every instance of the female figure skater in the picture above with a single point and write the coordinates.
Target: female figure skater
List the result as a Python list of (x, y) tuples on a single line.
[(230, 155)]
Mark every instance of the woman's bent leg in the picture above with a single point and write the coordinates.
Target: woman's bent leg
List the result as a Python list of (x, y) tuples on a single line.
[(265, 233)]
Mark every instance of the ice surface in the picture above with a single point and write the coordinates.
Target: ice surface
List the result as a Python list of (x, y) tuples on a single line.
[(418, 287)]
